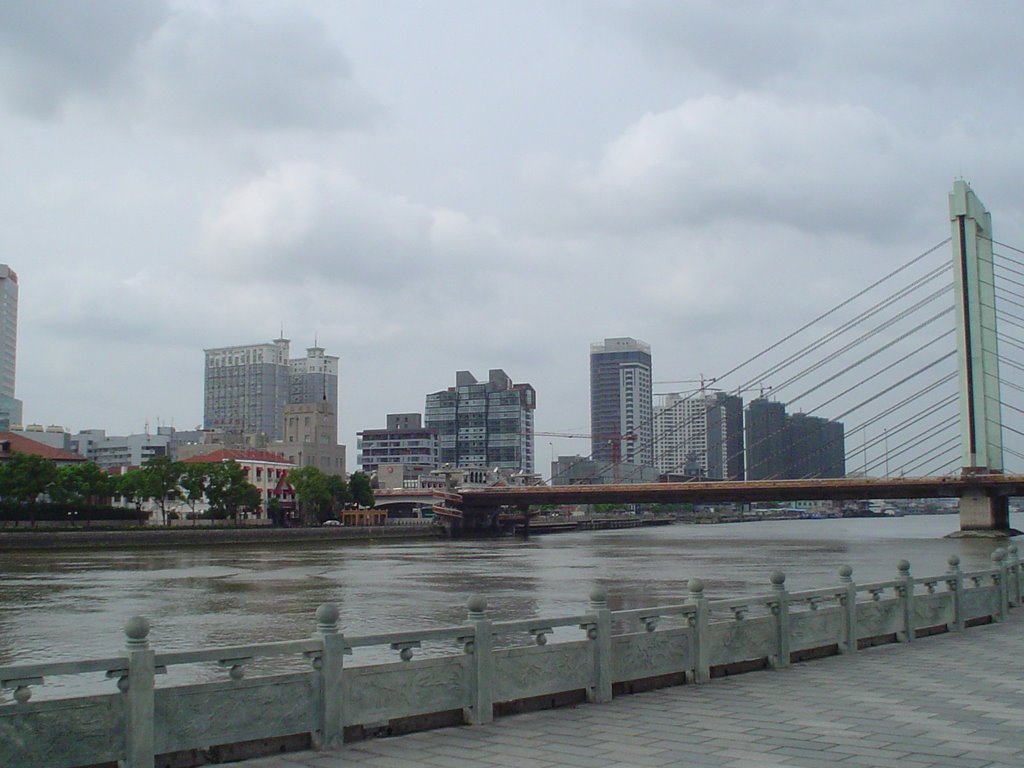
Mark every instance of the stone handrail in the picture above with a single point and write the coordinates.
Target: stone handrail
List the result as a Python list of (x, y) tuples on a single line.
[(329, 701)]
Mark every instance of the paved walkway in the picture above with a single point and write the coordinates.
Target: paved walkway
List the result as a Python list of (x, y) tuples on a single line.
[(950, 700)]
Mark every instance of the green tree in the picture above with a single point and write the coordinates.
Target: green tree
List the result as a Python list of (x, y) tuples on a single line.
[(312, 492), (361, 490), (24, 477), (82, 483), (192, 484), (339, 491), (162, 476), (133, 486), (229, 491)]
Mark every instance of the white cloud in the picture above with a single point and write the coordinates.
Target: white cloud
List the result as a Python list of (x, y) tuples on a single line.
[(712, 160)]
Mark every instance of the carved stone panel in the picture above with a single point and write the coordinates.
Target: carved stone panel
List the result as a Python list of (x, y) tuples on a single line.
[(545, 669), (206, 714), (732, 641), (881, 618), (385, 691), (64, 733), (647, 654), (933, 610), (980, 601), (814, 629)]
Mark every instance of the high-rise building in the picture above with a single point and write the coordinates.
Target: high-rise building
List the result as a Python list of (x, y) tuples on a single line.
[(792, 446), (766, 440), (10, 408), (247, 387), (699, 435), (488, 423), (314, 378), (621, 415)]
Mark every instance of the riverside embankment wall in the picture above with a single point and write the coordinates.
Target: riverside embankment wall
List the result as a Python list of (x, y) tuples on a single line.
[(184, 537)]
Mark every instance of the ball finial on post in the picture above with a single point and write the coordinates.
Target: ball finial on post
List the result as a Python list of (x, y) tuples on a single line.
[(477, 605), (136, 629), (777, 578), (327, 616)]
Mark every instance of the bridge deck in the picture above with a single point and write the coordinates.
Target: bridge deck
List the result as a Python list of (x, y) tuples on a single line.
[(950, 700)]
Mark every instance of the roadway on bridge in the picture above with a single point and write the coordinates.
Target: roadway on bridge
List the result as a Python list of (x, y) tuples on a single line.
[(949, 700)]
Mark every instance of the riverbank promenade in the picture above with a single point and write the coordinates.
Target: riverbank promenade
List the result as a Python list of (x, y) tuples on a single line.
[(950, 700)]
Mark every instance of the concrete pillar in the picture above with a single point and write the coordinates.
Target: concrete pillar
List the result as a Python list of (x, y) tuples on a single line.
[(979, 512), (977, 345)]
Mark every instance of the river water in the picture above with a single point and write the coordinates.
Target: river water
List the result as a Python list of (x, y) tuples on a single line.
[(69, 604)]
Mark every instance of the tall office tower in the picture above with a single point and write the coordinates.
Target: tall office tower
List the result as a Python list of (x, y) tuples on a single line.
[(10, 408), (767, 452), (700, 435), (247, 388), (621, 415), (314, 378), (816, 447), (484, 423)]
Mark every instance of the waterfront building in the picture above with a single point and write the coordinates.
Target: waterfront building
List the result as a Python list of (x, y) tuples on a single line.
[(10, 407), (487, 423), (621, 414), (14, 442), (700, 435), (246, 388), (575, 470), (311, 437), (266, 470), (404, 447)]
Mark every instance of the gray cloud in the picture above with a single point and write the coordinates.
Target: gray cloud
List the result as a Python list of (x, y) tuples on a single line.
[(246, 71), (52, 52), (224, 67)]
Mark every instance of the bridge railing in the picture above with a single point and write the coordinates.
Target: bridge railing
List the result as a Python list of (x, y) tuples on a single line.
[(467, 672)]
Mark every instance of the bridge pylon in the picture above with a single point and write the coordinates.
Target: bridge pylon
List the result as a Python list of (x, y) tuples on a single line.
[(981, 424)]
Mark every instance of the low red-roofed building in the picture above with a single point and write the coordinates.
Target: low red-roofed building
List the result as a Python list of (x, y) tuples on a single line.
[(265, 470), (12, 442)]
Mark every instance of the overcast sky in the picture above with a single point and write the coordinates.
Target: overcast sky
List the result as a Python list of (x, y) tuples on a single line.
[(432, 187)]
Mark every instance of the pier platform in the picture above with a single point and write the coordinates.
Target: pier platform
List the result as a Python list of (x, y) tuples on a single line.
[(950, 700)]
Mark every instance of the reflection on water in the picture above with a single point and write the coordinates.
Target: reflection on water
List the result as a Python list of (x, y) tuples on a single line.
[(73, 603)]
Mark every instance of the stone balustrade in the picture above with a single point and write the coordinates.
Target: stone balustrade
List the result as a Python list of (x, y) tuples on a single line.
[(471, 671)]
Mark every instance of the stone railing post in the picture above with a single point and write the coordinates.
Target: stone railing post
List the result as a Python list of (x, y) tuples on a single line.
[(329, 732), (138, 690), (698, 622), (848, 601), (955, 584), (780, 609), (600, 635), (1013, 571), (999, 580), (905, 591), (481, 690)]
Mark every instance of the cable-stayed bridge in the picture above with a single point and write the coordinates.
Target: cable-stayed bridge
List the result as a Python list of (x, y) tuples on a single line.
[(905, 385)]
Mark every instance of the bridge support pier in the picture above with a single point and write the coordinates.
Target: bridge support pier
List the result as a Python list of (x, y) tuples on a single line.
[(980, 512)]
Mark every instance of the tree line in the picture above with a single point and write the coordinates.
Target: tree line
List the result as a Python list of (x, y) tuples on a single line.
[(33, 484)]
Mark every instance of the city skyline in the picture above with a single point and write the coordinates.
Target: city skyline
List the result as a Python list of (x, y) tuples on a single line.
[(494, 187)]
